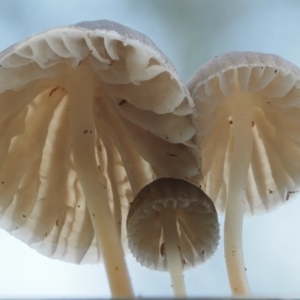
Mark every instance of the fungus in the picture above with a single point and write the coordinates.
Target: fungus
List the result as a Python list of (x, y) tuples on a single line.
[(172, 225), (251, 163), (89, 114)]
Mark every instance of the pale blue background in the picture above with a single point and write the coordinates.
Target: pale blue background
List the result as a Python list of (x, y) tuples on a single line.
[(190, 33)]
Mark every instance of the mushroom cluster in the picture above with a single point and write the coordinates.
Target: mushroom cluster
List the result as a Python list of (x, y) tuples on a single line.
[(100, 142)]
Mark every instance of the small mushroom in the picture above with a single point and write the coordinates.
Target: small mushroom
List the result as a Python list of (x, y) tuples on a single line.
[(248, 107), (89, 114), (172, 225)]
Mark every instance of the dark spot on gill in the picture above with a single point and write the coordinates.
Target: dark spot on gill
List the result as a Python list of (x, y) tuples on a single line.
[(289, 194), (123, 101), (162, 249), (56, 89), (171, 154)]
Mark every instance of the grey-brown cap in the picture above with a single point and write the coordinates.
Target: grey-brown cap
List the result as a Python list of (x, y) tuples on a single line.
[(197, 223)]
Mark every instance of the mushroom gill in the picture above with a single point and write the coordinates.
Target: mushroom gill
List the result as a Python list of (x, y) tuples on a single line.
[(89, 114), (172, 225), (248, 112)]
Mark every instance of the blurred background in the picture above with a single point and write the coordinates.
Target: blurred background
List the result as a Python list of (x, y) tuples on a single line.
[(189, 33)]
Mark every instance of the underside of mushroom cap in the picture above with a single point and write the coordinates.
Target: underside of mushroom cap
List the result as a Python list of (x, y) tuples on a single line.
[(273, 86), (144, 128), (197, 223)]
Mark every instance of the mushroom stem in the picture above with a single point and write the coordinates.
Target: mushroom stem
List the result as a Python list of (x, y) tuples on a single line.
[(242, 141), (174, 259), (80, 89)]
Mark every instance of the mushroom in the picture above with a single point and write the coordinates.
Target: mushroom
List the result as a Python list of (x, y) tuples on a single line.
[(172, 225), (248, 120), (90, 113)]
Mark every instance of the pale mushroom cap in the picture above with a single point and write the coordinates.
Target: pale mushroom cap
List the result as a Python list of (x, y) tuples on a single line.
[(274, 87), (197, 223), (144, 123)]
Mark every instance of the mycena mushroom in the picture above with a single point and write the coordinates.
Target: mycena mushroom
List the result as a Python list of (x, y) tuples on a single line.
[(172, 225), (248, 120), (90, 114)]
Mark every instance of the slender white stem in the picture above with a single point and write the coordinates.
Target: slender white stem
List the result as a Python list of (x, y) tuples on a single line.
[(174, 259), (80, 89), (242, 137)]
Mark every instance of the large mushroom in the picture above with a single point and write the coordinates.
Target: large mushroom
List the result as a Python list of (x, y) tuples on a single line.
[(172, 225), (90, 114), (248, 107)]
